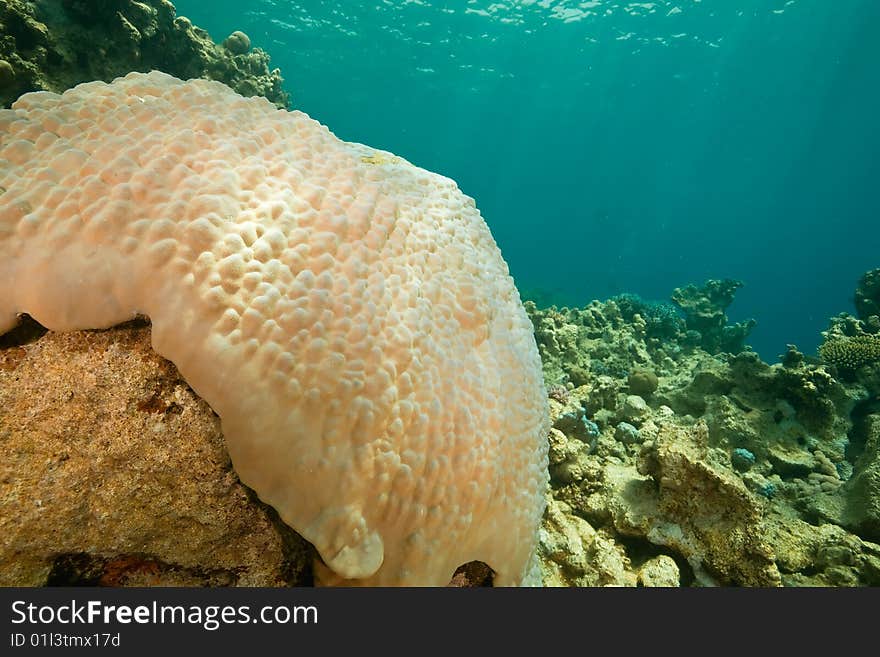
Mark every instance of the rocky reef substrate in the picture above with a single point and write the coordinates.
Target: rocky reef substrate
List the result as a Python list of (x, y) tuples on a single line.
[(679, 457)]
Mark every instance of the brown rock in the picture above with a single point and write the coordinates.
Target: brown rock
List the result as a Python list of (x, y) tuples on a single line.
[(708, 515), (112, 471)]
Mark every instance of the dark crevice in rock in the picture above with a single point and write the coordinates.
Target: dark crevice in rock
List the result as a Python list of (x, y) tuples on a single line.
[(640, 550), (75, 570), (472, 575), (28, 330), (299, 554), (78, 569), (858, 435)]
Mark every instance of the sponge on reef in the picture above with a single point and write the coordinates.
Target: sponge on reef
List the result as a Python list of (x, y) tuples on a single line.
[(347, 314)]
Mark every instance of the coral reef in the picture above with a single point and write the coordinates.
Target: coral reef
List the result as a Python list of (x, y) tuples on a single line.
[(746, 483), (634, 339), (51, 45), (677, 457), (727, 470)]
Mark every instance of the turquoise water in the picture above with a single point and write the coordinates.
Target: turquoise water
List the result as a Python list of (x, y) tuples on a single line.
[(618, 146)]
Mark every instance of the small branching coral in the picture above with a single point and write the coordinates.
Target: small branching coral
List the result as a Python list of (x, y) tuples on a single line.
[(851, 353)]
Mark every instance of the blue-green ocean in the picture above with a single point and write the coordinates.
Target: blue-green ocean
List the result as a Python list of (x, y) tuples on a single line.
[(618, 146)]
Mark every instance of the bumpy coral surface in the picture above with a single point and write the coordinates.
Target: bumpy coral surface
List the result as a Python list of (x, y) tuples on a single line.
[(347, 314)]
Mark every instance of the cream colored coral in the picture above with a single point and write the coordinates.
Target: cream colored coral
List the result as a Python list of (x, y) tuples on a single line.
[(347, 314)]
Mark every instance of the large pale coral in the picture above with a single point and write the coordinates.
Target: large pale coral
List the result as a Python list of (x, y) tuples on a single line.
[(348, 315)]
